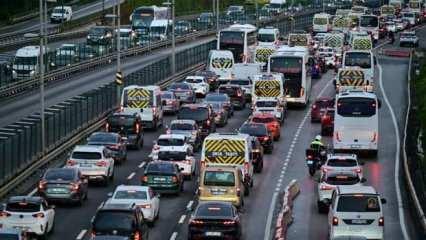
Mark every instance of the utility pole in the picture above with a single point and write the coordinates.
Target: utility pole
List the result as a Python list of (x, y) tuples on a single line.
[(41, 75), (217, 16), (118, 74), (173, 40)]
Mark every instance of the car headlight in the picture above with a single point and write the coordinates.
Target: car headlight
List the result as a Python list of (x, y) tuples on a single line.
[(88, 37), (102, 37), (32, 72), (52, 64)]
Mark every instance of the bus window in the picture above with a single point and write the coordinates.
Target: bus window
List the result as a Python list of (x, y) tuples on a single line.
[(360, 59), (234, 42), (356, 107)]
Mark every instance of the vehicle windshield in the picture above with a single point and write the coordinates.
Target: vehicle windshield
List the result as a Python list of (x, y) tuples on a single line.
[(360, 59), (170, 142), (180, 86), (97, 31), (214, 210), (234, 8), (256, 130), (109, 220), (341, 162), (86, 155), (121, 120), (166, 96), (369, 21), (216, 98), (171, 156), (25, 207), (291, 67), (197, 114), (263, 119), (182, 126), (320, 21), (130, 194), (219, 178), (343, 179), (59, 10), (59, 174), (356, 107), (26, 61), (194, 80), (358, 203), (182, 24), (408, 15), (408, 35), (103, 138), (9, 236), (241, 82), (160, 168), (266, 103), (265, 37), (158, 30)]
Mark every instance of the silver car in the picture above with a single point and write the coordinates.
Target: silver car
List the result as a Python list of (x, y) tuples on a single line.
[(408, 38)]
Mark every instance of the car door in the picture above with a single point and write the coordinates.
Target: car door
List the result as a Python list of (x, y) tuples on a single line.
[(50, 212), (154, 200)]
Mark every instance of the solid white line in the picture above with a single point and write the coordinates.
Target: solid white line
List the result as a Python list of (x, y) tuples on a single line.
[(131, 175), (32, 192), (397, 160), (182, 219), (141, 165), (189, 205), (174, 236), (270, 215), (81, 234)]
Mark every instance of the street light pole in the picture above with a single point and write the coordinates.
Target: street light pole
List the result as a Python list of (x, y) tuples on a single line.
[(173, 39), (119, 74), (41, 71), (217, 16)]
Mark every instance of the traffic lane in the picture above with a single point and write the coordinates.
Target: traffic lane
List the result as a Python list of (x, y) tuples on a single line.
[(28, 103), (54, 45)]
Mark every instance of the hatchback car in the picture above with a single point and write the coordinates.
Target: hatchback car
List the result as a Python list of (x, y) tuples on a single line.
[(221, 114), (236, 93), (211, 78), (201, 113), (170, 102), (129, 126), (100, 35), (319, 107), (189, 129), (260, 131), (113, 141), (163, 177), (183, 92), (342, 162), (199, 84), (183, 27), (408, 38), (63, 184), (270, 121), (221, 98)]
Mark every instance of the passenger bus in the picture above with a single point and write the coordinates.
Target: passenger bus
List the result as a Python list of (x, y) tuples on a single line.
[(360, 58), (356, 121), (142, 17), (295, 63), (240, 39), (221, 62), (370, 24), (321, 22)]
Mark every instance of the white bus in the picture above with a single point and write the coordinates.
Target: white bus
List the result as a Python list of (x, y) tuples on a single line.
[(240, 39), (359, 10), (295, 63), (221, 62), (370, 24), (387, 10), (356, 121), (26, 62), (360, 58), (321, 22), (142, 17)]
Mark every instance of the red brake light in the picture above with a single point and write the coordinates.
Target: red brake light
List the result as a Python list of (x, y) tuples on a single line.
[(38, 215), (196, 222), (381, 221), (145, 179), (71, 162), (41, 185), (156, 147), (335, 221), (326, 187), (4, 214), (238, 192), (310, 156), (358, 170), (138, 127), (101, 163), (229, 222), (246, 168), (107, 127), (208, 122), (239, 94), (174, 179), (314, 106), (137, 236), (75, 187)]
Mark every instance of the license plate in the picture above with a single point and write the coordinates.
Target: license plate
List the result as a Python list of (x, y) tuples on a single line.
[(213, 234), (218, 193), (355, 146), (359, 221), (160, 179), (57, 190), (310, 162), (85, 165)]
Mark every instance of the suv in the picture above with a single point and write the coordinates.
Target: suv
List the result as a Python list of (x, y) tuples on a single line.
[(356, 210), (203, 114), (129, 126), (125, 220), (236, 93), (100, 35)]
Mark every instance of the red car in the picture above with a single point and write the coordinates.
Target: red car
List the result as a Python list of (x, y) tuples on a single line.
[(271, 123), (319, 107), (327, 122)]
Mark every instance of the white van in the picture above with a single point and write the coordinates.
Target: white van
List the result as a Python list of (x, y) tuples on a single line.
[(356, 211), (145, 100), (61, 14), (26, 62), (321, 22), (159, 30), (221, 62)]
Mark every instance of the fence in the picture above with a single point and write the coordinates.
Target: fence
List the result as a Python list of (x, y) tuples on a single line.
[(20, 144)]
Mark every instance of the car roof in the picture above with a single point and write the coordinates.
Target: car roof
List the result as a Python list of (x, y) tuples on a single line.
[(341, 156), (356, 93), (348, 190), (229, 85), (109, 237), (28, 199), (321, 99), (88, 148), (194, 77), (132, 187), (195, 105), (123, 113), (105, 133), (172, 136), (184, 121)]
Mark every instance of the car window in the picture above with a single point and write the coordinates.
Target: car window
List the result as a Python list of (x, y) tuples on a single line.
[(338, 162), (219, 178), (87, 155), (22, 207), (60, 174), (266, 103), (358, 203), (254, 129), (130, 194), (170, 142), (166, 96), (103, 138), (160, 168), (180, 86), (109, 220), (196, 113), (181, 126), (215, 98), (193, 80), (172, 156)]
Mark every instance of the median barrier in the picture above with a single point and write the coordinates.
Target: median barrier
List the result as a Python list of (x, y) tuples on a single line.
[(396, 53), (285, 216), (294, 188)]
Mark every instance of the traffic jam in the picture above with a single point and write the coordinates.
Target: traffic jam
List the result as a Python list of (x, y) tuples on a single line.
[(255, 73)]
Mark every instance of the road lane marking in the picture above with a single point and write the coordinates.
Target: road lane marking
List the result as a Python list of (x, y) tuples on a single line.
[(131, 176), (141, 165), (397, 160), (182, 219), (189, 205), (81, 234), (32, 192), (174, 236), (270, 215)]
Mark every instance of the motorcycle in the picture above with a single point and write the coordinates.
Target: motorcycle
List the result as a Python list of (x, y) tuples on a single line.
[(314, 160)]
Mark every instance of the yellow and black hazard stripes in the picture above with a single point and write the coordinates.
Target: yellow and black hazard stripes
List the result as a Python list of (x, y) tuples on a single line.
[(262, 54), (333, 40), (225, 151), (138, 98), (341, 22), (267, 88), (222, 63), (119, 78), (298, 39), (351, 78), (362, 44)]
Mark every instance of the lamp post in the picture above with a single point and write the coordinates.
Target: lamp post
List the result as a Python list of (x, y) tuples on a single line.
[(173, 34), (217, 16), (41, 71)]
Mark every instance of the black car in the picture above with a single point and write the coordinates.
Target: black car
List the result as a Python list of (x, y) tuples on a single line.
[(221, 98), (63, 184), (183, 92), (206, 20), (113, 141), (163, 177), (257, 154), (217, 220), (201, 113), (129, 126), (120, 220), (236, 93), (100, 35), (260, 131), (212, 78), (183, 27)]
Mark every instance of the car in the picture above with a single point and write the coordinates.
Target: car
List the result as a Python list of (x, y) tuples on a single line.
[(206, 20), (119, 219), (342, 162), (270, 121), (188, 128), (183, 158), (127, 38), (113, 141), (221, 114), (260, 131), (212, 78), (327, 122), (100, 35), (257, 154), (222, 98), (272, 106), (329, 56), (224, 215), (390, 26), (400, 24), (183, 92), (87, 52), (28, 213), (328, 182), (319, 106), (142, 196), (199, 84), (183, 27), (170, 102), (235, 9), (177, 141), (63, 184), (235, 92), (201, 113), (64, 56), (12, 234), (129, 126), (94, 162), (163, 177), (61, 14), (246, 86), (357, 211), (408, 38)]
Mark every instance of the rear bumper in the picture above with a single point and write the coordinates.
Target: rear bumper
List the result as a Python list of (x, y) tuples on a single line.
[(37, 228), (166, 188), (354, 146), (376, 233), (236, 201)]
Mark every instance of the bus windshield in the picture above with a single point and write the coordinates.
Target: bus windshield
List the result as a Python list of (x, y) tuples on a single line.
[(356, 107), (266, 37), (360, 59), (234, 42), (414, 4), (144, 15), (369, 21), (320, 21), (292, 68)]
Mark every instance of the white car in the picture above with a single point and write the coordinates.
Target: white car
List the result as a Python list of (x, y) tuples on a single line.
[(180, 156), (188, 128), (329, 181), (142, 196), (29, 214), (270, 106), (391, 26), (169, 140), (328, 54), (94, 162), (342, 162), (199, 84), (61, 14), (356, 211)]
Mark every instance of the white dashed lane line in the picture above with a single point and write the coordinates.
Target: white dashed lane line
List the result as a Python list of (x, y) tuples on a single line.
[(131, 175), (174, 236), (81, 234), (182, 219)]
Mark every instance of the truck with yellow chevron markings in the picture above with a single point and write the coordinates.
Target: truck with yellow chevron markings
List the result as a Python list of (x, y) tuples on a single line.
[(146, 102), (350, 78), (229, 149)]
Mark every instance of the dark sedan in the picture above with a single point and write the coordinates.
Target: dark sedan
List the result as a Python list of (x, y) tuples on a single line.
[(63, 184), (183, 92), (221, 98), (260, 131), (113, 141)]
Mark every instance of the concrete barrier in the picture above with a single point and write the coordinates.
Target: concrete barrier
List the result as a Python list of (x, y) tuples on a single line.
[(285, 216), (294, 188), (396, 52)]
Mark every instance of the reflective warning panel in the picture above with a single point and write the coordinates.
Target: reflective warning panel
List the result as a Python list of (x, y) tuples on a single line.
[(222, 63), (137, 98), (298, 39), (225, 151), (351, 77), (267, 88), (262, 54)]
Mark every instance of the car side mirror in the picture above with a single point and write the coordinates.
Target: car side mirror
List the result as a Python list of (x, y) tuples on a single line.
[(363, 180), (383, 200)]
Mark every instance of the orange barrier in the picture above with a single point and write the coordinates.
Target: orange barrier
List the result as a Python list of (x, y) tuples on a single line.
[(396, 52)]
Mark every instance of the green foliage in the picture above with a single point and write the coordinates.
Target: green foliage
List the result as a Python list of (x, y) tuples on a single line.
[(420, 86)]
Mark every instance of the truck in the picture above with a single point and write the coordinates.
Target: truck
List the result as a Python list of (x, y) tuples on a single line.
[(26, 62), (277, 6)]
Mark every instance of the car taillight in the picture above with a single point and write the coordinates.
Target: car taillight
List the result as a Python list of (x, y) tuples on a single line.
[(208, 122), (38, 215), (137, 236), (107, 127), (374, 139), (146, 206), (310, 157), (265, 139), (382, 221), (168, 131), (316, 67), (246, 168), (335, 221), (358, 170), (302, 92), (196, 222), (41, 185), (199, 190), (314, 106), (238, 192), (326, 187), (114, 147), (137, 127), (101, 163), (239, 94), (174, 179), (337, 137), (75, 187), (232, 222), (154, 110), (71, 162), (156, 147), (144, 179), (4, 214), (187, 162)]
